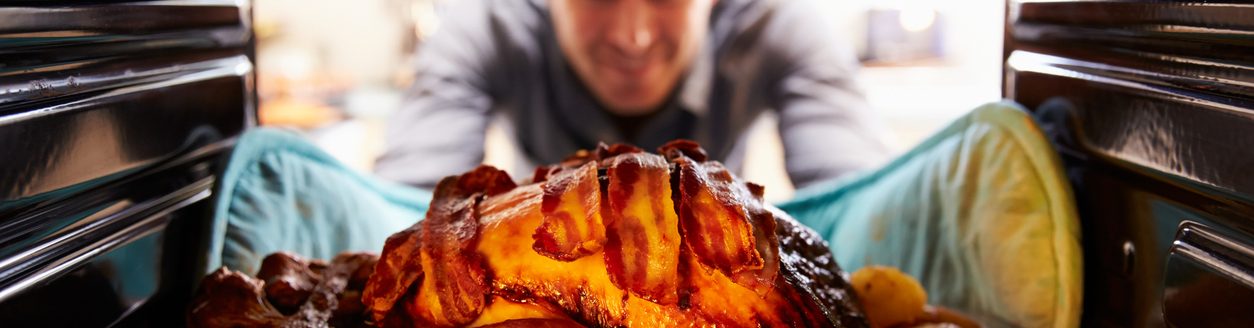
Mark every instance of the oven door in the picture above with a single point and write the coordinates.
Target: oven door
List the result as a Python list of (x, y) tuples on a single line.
[(1151, 104), (113, 119)]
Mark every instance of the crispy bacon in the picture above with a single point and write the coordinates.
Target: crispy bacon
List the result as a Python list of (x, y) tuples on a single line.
[(756, 190), (438, 253), (571, 205), (606, 151), (578, 158), (483, 179), (715, 224), (767, 244), (455, 273), (642, 246), (398, 268), (542, 172), (723, 221), (683, 148)]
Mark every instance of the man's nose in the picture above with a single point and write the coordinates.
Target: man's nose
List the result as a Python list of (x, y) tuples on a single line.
[(632, 30)]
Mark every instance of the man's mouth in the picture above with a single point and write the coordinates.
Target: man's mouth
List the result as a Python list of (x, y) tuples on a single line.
[(631, 69)]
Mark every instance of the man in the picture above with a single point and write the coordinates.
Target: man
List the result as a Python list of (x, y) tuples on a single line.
[(570, 73)]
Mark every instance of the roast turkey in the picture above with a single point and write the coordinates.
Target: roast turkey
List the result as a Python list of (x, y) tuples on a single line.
[(612, 237)]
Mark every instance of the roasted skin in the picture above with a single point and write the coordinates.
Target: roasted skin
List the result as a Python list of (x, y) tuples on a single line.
[(608, 238), (289, 291)]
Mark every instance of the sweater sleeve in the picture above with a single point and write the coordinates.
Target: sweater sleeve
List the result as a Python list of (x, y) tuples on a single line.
[(439, 129), (827, 127)]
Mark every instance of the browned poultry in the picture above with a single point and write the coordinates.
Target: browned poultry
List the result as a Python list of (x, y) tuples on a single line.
[(609, 238), (614, 237)]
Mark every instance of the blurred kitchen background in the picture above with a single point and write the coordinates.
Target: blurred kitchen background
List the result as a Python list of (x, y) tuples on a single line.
[(335, 70)]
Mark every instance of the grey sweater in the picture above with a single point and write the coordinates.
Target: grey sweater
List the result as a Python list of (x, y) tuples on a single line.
[(501, 57)]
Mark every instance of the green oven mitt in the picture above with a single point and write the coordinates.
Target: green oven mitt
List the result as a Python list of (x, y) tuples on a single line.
[(279, 192), (981, 213)]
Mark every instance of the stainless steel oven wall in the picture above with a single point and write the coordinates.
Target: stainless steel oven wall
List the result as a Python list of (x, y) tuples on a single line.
[(1151, 104), (113, 118)]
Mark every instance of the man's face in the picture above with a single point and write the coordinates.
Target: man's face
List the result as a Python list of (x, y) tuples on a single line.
[(630, 53)]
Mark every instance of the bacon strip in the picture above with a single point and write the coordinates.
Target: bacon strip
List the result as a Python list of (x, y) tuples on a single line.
[(767, 244), (456, 273), (607, 151), (571, 205), (542, 172), (715, 224), (483, 179), (398, 268), (683, 148), (642, 236), (725, 223), (444, 251)]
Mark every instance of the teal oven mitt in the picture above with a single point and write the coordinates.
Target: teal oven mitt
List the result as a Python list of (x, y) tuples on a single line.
[(980, 213), (279, 192)]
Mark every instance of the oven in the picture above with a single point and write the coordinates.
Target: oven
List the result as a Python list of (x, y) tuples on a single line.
[(114, 118), (1151, 104)]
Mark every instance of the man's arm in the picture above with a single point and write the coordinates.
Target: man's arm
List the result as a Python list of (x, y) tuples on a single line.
[(439, 129), (827, 126)]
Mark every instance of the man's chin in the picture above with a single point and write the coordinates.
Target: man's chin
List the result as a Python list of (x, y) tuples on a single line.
[(633, 105)]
